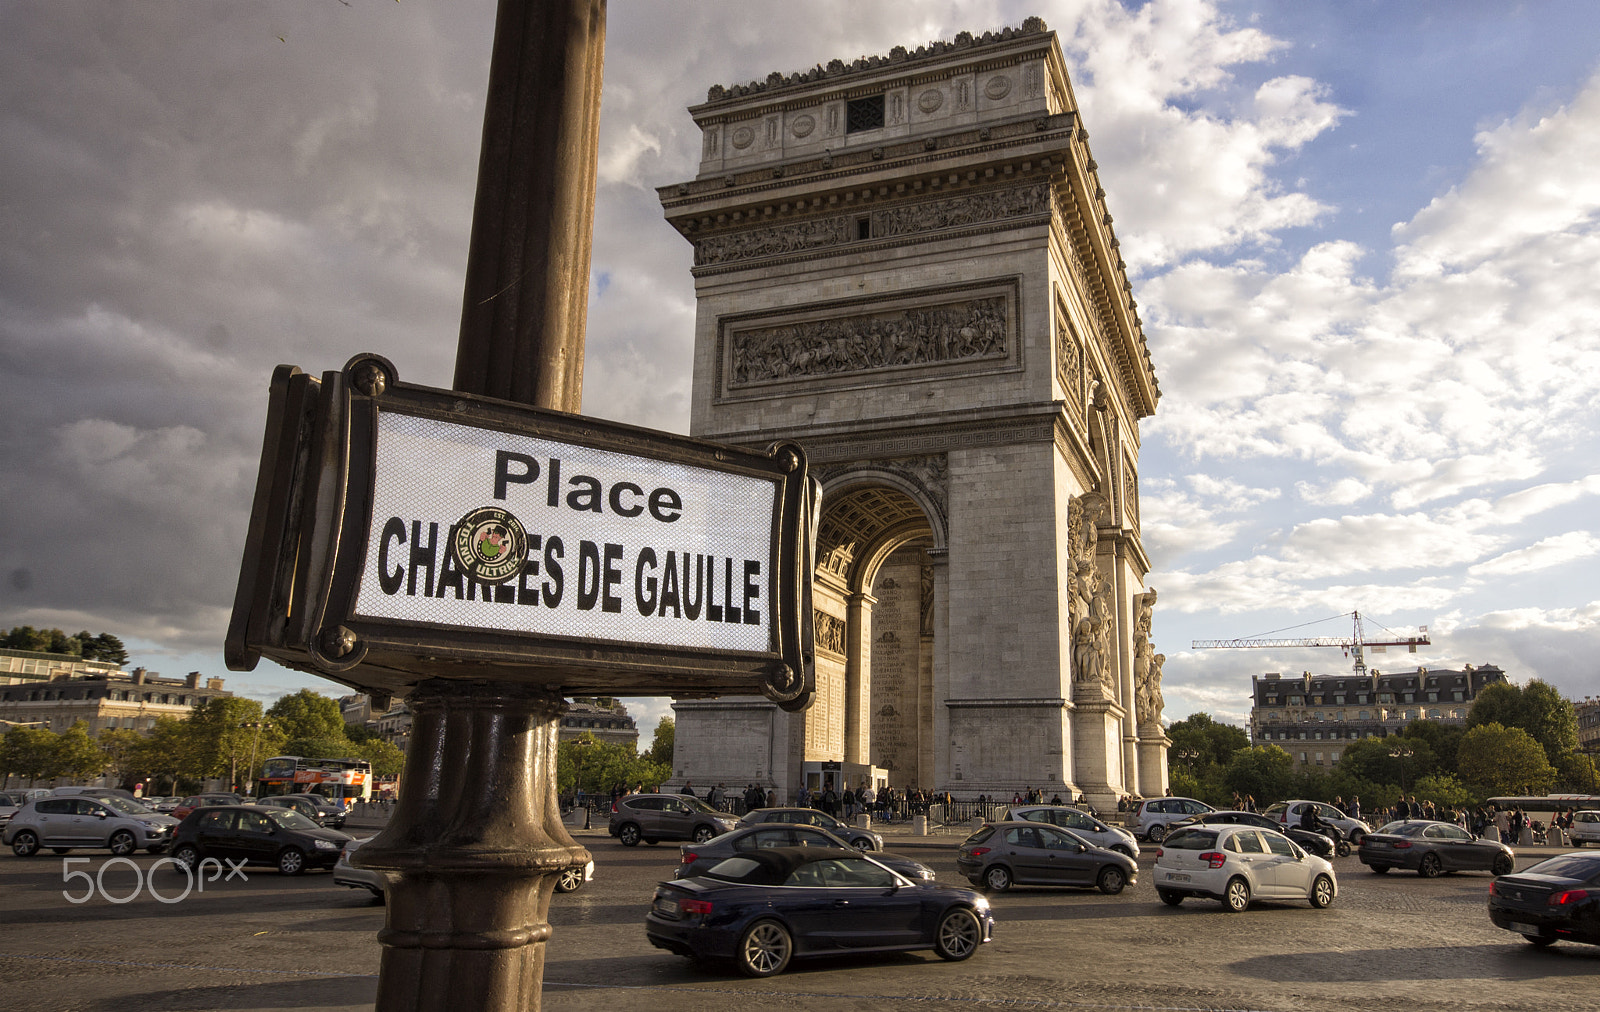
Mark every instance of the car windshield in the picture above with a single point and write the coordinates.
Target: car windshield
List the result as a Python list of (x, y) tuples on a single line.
[(1191, 839), (124, 806), (287, 819), (697, 804), (1404, 828), (980, 836)]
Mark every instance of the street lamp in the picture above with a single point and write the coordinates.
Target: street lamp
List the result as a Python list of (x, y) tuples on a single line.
[(581, 745), (254, 744), (1401, 753)]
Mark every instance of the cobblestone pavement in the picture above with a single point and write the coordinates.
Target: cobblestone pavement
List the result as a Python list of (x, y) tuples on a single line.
[(1395, 942)]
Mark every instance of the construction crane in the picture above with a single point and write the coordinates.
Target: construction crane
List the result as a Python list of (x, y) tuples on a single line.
[(1356, 643)]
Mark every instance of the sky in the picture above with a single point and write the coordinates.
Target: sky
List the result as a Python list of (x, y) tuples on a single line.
[(1364, 238)]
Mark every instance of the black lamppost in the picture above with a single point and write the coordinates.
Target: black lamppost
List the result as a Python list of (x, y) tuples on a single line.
[(581, 745), (1401, 753), (254, 744)]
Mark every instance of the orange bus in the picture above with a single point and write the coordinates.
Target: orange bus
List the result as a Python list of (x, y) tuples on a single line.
[(344, 780)]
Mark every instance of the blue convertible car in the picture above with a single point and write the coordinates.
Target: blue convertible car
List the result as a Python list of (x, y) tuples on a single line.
[(763, 908)]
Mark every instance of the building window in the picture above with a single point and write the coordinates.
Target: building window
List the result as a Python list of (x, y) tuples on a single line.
[(1296, 700), (1385, 697), (1366, 715), (1460, 696), (1334, 758), (1338, 700), (1433, 697), (863, 114), (1434, 714), (1302, 757)]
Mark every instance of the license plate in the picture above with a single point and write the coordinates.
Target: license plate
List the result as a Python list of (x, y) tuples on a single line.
[(1173, 876), (666, 907), (1524, 929)]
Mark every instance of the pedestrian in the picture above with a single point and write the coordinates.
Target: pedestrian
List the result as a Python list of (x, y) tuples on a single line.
[(868, 797), (1355, 807), (849, 800), (688, 789), (714, 796)]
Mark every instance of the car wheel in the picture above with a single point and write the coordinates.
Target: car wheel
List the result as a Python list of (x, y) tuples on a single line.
[(997, 878), (25, 844), (1236, 896), (764, 949), (702, 834), (1380, 869), (959, 935), (1157, 833), (1111, 880), (862, 844), (629, 835), (1539, 940), (571, 880), (1342, 848), (1430, 866), (1503, 865), (291, 862), (187, 856), (1322, 892), (1356, 838), (122, 843), (1123, 850), (1171, 899)]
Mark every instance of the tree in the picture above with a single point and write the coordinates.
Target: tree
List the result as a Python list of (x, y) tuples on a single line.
[(307, 714), (1537, 708), (1576, 774), (1261, 771), (28, 752), (1504, 760), (1214, 742), (1443, 789), (222, 740), (123, 748), (77, 756), (387, 760), (320, 748), (609, 764), (104, 647), (165, 753), (660, 750), (1444, 740), (1371, 759)]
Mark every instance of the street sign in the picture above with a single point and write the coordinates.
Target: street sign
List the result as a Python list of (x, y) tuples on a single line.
[(402, 532)]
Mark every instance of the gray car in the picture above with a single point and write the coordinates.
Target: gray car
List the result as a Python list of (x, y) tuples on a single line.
[(66, 822), (656, 817), (1152, 816), (1081, 823), (695, 857), (860, 839), (1030, 853)]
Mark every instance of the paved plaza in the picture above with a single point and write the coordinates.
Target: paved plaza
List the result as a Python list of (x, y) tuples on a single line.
[(1395, 942)]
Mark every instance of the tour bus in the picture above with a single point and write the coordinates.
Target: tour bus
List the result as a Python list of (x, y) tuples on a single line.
[(343, 779), (1547, 803)]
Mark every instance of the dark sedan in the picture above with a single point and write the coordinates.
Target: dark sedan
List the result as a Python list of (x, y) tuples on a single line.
[(256, 834), (1317, 843), (313, 806), (860, 839), (1555, 900), (767, 907), (697, 857), (1026, 853), (1430, 848)]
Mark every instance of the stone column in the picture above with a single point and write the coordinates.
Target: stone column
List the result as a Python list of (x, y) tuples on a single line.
[(858, 678), (471, 853), (943, 750), (1153, 746)]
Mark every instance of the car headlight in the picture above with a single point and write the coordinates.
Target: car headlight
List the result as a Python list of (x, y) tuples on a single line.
[(325, 845)]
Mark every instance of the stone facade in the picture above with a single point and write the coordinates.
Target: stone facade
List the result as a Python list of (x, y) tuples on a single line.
[(102, 696), (1314, 717), (907, 265)]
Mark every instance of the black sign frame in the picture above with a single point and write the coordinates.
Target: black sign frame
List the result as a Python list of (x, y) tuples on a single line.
[(310, 527)]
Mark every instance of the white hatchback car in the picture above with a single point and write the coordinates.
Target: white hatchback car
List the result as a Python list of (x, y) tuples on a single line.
[(1236, 864), (1585, 828)]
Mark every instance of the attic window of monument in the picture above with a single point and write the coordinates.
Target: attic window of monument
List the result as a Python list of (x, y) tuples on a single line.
[(863, 227), (863, 114)]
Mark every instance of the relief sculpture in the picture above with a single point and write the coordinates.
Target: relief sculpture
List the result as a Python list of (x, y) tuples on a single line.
[(1089, 604), (1145, 674), (830, 631), (766, 242), (955, 212), (954, 332)]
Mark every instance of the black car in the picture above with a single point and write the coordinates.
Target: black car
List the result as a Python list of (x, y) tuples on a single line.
[(313, 806), (860, 839), (1555, 900), (1430, 848), (697, 857), (1316, 843), (766, 907), (256, 834)]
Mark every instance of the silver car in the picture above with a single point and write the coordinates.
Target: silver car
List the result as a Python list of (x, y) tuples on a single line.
[(64, 822), (1082, 825), (1152, 816)]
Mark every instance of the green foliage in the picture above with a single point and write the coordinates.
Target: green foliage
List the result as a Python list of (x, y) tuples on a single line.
[(165, 754), (320, 748), (1576, 774), (123, 748), (307, 714), (1504, 760), (1444, 789), (359, 733), (77, 756), (1444, 741), (28, 752), (1261, 771), (660, 750), (1537, 708), (1373, 760), (1214, 742), (607, 764), (104, 647), (222, 740), (387, 760)]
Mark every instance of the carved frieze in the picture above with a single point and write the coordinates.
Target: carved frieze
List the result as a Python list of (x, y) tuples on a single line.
[(1130, 493), (1070, 362), (799, 236), (962, 331), (829, 632)]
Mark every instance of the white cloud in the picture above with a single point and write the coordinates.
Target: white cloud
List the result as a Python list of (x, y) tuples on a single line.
[(1341, 492), (1543, 554)]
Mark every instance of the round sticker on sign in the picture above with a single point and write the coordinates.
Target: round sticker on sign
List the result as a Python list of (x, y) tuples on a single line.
[(490, 544)]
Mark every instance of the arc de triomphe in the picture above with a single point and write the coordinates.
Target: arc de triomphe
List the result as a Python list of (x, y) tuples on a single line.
[(906, 263)]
